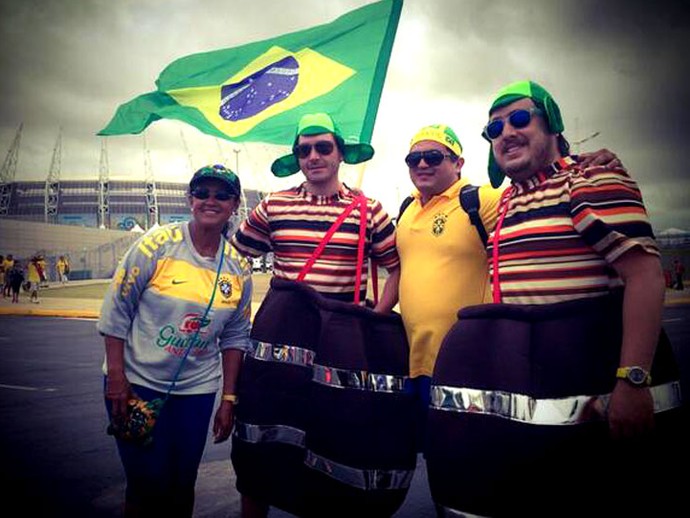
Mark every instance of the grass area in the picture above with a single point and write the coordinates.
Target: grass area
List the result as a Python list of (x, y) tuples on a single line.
[(84, 291), (97, 290)]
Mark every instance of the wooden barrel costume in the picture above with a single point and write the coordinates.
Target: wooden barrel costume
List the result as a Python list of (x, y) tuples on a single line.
[(323, 418), (520, 392)]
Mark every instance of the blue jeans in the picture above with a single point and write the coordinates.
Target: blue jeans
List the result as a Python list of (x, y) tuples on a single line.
[(161, 476), (420, 386)]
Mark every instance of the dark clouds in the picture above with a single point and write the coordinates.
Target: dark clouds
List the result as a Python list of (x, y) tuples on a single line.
[(616, 67)]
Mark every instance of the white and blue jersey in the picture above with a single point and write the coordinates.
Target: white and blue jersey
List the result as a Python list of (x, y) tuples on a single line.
[(156, 302)]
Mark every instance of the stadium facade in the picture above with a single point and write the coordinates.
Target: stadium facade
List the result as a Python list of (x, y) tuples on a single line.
[(115, 204)]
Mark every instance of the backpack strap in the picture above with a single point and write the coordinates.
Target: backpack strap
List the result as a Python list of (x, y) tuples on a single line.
[(405, 203), (469, 201)]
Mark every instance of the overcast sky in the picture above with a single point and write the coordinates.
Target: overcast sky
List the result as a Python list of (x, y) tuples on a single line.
[(619, 68)]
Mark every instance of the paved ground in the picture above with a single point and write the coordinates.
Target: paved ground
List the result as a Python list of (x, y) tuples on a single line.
[(90, 308), (216, 497)]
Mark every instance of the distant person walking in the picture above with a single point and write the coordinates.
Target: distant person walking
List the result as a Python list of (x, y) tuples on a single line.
[(7, 264), (14, 279), (3, 277), (679, 271), (62, 267), (34, 271)]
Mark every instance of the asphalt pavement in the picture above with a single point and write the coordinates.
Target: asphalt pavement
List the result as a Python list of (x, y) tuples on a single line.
[(216, 496)]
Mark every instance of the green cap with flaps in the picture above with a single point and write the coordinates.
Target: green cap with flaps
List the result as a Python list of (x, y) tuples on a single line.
[(541, 98), (316, 124)]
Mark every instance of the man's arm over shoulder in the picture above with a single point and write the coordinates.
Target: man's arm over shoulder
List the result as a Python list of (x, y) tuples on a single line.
[(489, 199), (383, 249), (253, 237)]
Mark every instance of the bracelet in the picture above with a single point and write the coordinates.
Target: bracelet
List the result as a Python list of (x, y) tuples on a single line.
[(229, 397)]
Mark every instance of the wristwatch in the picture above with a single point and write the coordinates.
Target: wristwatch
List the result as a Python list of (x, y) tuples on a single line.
[(634, 375)]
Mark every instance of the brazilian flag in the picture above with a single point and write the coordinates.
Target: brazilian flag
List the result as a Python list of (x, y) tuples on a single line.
[(258, 92)]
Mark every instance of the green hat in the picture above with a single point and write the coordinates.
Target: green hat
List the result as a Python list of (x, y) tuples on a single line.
[(541, 98), (316, 124), (219, 172)]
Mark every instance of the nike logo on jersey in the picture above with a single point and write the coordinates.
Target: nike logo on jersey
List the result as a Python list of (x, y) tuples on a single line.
[(175, 281)]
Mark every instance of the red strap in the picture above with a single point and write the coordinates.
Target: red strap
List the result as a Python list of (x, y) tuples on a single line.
[(502, 209), (360, 246), (375, 280), (360, 200)]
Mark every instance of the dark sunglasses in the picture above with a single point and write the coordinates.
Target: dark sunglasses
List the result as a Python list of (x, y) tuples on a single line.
[(433, 157), (518, 119), (202, 193), (323, 147)]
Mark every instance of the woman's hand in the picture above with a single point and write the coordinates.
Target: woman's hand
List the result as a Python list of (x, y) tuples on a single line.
[(223, 422), (118, 391)]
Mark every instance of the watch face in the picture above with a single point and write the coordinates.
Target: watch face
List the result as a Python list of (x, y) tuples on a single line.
[(637, 375)]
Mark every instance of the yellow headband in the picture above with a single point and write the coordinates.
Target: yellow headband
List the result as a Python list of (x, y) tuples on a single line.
[(441, 134)]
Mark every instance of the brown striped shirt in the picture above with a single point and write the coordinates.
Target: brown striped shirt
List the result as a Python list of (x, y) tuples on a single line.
[(562, 231), (293, 222)]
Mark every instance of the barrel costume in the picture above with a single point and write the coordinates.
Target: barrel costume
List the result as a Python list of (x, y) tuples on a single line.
[(323, 417), (520, 389)]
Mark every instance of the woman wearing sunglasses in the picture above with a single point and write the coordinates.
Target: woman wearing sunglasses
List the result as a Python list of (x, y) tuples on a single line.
[(176, 324)]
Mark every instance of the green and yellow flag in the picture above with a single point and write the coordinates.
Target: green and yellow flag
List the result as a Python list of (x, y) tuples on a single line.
[(259, 91)]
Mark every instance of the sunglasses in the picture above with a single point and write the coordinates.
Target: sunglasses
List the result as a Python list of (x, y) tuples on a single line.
[(323, 147), (518, 119), (202, 193), (432, 158)]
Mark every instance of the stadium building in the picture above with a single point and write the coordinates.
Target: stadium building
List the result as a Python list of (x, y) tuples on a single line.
[(40, 217)]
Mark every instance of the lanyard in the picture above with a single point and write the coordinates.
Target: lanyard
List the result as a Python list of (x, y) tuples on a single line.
[(203, 319)]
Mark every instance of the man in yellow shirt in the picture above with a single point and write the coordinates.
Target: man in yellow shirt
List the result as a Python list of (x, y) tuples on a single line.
[(443, 260)]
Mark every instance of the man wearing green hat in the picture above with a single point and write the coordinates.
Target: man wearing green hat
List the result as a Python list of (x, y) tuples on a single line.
[(442, 253), (291, 223), (561, 345), (591, 215)]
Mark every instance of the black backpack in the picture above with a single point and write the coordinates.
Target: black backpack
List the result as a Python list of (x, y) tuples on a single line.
[(469, 201)]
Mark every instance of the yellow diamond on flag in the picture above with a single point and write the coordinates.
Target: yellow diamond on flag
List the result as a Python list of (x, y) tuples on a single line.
[(275, 82)]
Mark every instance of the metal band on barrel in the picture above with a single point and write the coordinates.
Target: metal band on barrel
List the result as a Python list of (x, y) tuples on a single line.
[(367, 479), (259, 433), (447, 512), (562, 411), (358, 380), (284, 353)]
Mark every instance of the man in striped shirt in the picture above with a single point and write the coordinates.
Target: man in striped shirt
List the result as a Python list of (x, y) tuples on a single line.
[(293, 222), (570, 233), (550, 390), (566, 232)]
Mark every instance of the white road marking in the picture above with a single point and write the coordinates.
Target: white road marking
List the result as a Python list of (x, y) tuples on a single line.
[(33, 389)]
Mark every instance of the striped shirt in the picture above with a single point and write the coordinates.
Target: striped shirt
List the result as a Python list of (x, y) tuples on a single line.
[(562, 231), (293, 222)]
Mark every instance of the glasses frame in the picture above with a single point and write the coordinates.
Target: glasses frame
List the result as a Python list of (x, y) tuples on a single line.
[(501, 122), (203, 193), (302, 151), (414, 158)]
